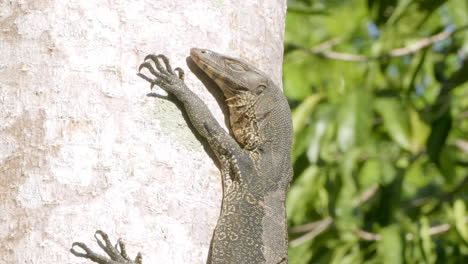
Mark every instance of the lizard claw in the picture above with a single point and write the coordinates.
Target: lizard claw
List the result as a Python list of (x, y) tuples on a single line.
[(116, 254), (180, 72), (153, 82), (157, 63), (163, 74)]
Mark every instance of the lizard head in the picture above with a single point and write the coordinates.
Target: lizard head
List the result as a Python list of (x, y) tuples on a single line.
[(243, 87), (233, 76)]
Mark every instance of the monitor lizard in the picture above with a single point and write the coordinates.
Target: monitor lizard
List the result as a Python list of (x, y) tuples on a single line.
[(255, 162)]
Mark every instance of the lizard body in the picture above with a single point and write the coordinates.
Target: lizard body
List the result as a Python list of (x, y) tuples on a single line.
[(255, 162)]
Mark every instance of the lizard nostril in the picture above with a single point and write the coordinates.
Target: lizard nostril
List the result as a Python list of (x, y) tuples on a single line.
[(203, 51)]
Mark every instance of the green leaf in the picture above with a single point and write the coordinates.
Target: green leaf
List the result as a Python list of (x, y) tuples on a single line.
[(460, 219), (319, 128), (303, 193), (306, 10), (301, 254), (314, 146), (438, 137), (346, 255), (447, 163), (427, 244), (415, 177), (388, 172), (370, 173), (297, 82), (390, 248), (345, 202), (395, 121), (302, 114), (419, 131), (354, 119)]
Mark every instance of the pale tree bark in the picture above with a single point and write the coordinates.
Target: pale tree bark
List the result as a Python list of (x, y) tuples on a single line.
[(82, 146)]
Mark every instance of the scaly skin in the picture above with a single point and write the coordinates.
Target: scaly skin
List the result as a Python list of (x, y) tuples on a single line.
[(255, 163)]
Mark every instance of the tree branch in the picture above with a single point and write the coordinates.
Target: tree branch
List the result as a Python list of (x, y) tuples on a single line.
[(321, 50), (318, 228), (462, 145), (420, 44), (369, 193), (313, 229), (463, 115), (435, 230), (443, 197), (307, 227)]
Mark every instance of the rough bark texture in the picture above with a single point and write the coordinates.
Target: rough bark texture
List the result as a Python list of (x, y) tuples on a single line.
[(81, 145)]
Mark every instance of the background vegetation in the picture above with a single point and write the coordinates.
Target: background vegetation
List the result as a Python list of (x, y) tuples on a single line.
[(379, 92)]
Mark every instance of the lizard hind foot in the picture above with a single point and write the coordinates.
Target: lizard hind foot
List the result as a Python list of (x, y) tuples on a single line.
[(115, 254)]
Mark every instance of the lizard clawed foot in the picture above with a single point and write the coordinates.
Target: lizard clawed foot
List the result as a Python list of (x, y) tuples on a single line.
[(116, 254), (164, 76)]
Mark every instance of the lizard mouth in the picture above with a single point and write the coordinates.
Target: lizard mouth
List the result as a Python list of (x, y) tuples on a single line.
[(201, 58), (210, 63)]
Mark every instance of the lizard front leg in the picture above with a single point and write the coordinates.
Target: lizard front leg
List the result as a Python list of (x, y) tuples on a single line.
[(115, 254), (172, 81)]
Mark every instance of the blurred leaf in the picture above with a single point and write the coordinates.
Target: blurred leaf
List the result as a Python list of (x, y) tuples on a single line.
[(314, 146), (320, 126), (345, 202), (419, 131), (389, 129), (430, 4), (388, 172), (301, 142), (370, 173), (307, 190), (298, 80), (390, 247), (346, 255), (458, 10), (383, 9), (306, 10), (302, 114), (437, 139), (460, 215), (416, 178), (395, 121), (459, 77), (354, 119), (447, 164), (386, 210), (427, 245), (302, 253)]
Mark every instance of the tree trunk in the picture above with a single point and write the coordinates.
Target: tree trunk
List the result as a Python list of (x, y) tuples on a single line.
[(82, 146)]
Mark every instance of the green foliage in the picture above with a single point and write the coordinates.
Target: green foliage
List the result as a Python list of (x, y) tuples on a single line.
[(380, 113)]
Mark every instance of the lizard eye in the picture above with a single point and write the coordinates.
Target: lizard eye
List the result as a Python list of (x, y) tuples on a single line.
[(260, 89), (236, 66)]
